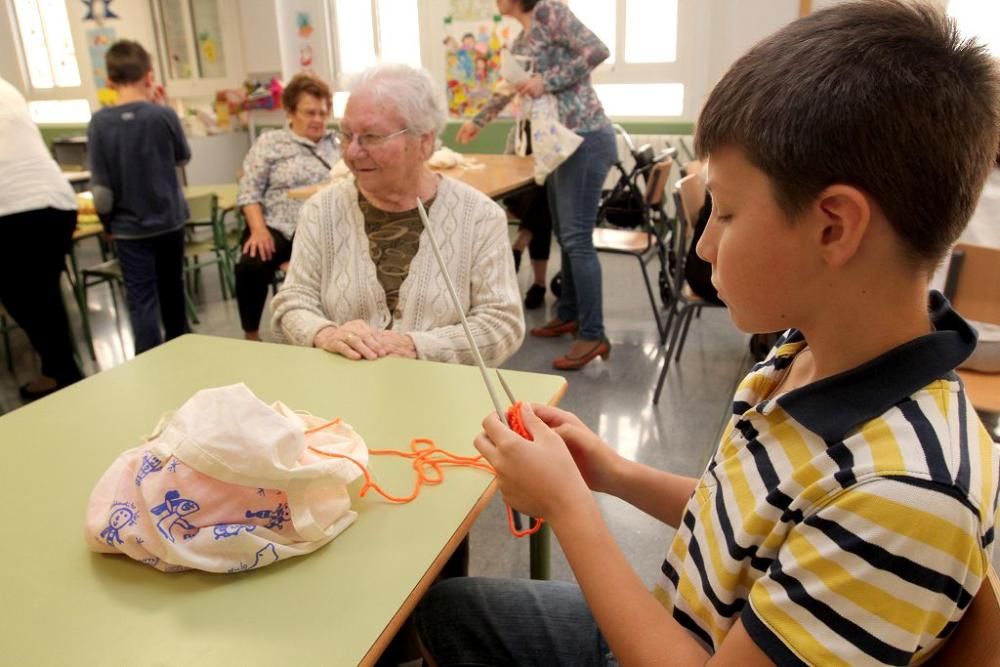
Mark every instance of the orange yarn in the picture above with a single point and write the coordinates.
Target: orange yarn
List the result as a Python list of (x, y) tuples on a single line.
[(428, 462)]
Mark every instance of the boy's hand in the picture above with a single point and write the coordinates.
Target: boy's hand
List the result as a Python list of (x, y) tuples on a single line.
[(539, 477), (596, 460)]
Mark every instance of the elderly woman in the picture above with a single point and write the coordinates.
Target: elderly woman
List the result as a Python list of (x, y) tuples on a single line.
[(363, 281), (279, 161)]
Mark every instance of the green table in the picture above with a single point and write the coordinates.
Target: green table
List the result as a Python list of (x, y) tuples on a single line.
[(341, 605)]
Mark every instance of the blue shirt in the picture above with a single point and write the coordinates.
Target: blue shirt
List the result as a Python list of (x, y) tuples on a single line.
[(134, 150)]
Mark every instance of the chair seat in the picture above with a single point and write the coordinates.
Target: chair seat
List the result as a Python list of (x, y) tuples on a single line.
[(983, 390), (623, 240), (198, 248)]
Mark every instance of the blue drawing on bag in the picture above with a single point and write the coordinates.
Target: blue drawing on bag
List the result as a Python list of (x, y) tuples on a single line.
[(222, 531), (276, 517), (150, 464), (122, 516), (265, 556), (174, 509), (261, 492), (139, 540), (173, 466)]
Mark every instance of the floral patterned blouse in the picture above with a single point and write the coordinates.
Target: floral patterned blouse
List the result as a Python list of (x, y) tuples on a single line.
[(279, 161), (565, 51)]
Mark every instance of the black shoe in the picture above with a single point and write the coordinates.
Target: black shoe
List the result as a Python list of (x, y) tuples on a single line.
[(517, 260), (535, 297), (34, 394)]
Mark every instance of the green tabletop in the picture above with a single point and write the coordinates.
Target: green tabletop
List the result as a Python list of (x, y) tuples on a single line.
[(63, 604), (227, 193)]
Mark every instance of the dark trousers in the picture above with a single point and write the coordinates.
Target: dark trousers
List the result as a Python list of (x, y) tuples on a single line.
[(153, 269), (532, 208), (34, 246), (254, 277)]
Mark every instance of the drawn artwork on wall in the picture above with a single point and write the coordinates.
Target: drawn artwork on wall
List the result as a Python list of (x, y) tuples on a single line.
[(305, 28), (474, 36), (99, 40)]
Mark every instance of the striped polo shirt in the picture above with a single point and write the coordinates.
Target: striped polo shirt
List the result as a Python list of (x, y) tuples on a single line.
[(847, 522)]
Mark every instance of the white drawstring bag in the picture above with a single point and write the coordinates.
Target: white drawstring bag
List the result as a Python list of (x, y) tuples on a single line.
[(227, 483), (551, 141)]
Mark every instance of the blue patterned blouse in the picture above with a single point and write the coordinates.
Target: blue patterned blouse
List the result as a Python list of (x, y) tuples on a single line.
[(565, 51)]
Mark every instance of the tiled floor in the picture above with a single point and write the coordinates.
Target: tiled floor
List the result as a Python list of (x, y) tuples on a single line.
[(614, 397)]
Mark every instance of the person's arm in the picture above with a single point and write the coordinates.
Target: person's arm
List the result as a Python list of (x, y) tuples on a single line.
[(560, 25), (494, 315), (255, 178), (100, 178), (182, 152), (541, 479)]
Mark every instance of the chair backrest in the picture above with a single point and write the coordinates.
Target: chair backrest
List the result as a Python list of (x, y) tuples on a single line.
[(204, 208), (976, 640), (694, 167), (974, 282), (691, 190), (656, 182)]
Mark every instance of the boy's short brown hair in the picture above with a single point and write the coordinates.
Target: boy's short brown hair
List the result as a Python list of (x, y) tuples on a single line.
[(305, 84), (127, 62), (883, 95)]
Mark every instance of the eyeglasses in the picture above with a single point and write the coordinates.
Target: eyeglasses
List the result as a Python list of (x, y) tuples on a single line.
[(367, 141)]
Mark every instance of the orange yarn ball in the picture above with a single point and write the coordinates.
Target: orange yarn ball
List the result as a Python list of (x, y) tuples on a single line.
[(516, 421)]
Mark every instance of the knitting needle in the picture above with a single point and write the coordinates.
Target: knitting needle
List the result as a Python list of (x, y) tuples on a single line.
[(461, 312), (506, 388)]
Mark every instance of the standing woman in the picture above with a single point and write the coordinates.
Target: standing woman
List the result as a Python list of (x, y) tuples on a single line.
[(565, 52), (281, 160), (37, 219)]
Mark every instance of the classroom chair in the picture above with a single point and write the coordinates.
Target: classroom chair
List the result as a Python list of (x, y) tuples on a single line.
[(646, 242), (200, 252), (689, 197), (976, 640), (973, 287)]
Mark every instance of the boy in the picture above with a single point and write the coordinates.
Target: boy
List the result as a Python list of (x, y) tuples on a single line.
[(135, 147), (846, 517)]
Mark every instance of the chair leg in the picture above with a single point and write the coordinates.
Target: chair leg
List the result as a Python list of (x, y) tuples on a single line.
[(668, 350), (684, 335), (192, 312), (652, 299), (80, 291)]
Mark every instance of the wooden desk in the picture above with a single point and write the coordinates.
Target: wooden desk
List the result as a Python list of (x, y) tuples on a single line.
[(338, 606), (227, 193), (501, 176)]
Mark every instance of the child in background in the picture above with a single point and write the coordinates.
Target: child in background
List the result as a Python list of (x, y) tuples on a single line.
[(847, 516), (135, 148)]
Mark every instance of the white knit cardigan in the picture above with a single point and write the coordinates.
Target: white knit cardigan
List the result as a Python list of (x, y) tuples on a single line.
[(332, 278)]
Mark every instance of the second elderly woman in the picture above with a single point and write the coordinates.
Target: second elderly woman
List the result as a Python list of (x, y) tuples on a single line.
[(363, 281), (281, 160)]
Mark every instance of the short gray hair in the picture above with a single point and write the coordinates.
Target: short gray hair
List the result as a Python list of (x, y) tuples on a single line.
[(410, 90)]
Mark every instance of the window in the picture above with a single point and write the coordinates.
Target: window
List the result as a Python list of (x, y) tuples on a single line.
[(47, 44), (641, 77), (192, 44), (978, 19), (375, 30)]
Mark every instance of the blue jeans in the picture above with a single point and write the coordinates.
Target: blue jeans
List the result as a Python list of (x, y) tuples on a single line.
[(485, 621), (574, 194), (153, 269)]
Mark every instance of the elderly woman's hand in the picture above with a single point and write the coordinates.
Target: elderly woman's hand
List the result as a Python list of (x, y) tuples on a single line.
[(467, 132), (354, 340), (397, 344)]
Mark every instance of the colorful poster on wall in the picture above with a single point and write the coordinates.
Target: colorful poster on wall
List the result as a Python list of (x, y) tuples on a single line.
[(99, 40), (303, 23), (472, 54)]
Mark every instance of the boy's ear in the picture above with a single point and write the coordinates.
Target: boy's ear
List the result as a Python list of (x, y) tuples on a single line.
[(843, 215)]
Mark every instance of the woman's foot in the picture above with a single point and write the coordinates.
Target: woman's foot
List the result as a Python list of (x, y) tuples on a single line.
[(535, 297), (582, 353), (251, 335), (555, 327)]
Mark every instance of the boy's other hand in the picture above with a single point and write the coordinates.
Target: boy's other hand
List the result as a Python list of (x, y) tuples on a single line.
[(260, 244), (536, 477), (595, 459)]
